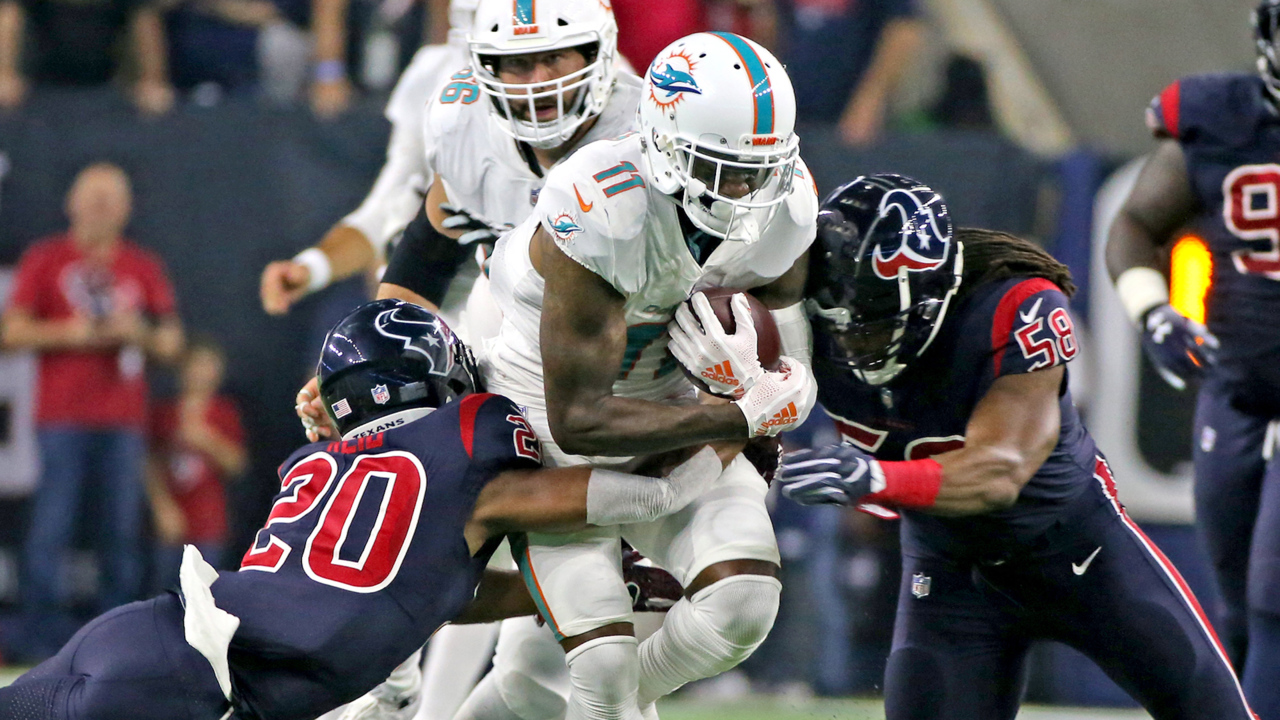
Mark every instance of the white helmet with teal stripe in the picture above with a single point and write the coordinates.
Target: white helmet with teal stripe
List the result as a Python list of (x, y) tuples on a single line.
[(718, 119), (505, 28)]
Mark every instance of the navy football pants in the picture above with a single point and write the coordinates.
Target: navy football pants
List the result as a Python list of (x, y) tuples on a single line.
[(133, 663), (1237, 510), (958, 651)]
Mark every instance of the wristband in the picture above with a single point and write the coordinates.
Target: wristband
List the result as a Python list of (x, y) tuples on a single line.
[(907, 483), (330, 70), (794, 333), (1141, 288), (317, 262)]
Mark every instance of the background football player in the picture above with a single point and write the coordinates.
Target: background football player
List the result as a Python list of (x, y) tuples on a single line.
[(709, 192), (361, 558), (358, 242), (942, 360), (1215, 166), (544, 79)]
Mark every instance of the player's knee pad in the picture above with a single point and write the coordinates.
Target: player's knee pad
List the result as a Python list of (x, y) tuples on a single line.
[(735, 615), (606, 676), (709, 633)]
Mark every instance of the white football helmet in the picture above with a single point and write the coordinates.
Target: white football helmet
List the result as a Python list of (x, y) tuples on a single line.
[(718, 109), (519, 27)]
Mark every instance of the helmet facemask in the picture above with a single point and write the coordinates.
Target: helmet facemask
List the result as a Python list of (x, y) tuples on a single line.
[(1266, 32), (577, 96), (875, 301), (709, 178)]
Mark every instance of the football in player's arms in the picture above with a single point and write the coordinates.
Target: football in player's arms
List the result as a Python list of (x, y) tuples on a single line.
[(942, 359), (374, 541)]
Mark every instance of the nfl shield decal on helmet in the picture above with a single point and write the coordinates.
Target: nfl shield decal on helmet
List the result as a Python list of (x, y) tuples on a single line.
[(565, 226), (920, 584), (922, 245), (380, 394), (670, 76)]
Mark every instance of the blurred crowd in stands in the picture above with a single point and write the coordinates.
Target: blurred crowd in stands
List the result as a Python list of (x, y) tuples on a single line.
[(845, 56)]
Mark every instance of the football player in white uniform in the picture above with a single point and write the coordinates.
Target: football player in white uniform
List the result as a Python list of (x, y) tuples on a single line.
[(709, 192), (544, 79), (358, 242)]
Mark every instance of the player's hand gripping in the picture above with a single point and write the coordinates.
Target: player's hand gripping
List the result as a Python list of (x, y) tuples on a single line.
[(779, 400), (1179, 347), (284, 282), (830, 475), (474, 228), (728, 364), (310, 409)]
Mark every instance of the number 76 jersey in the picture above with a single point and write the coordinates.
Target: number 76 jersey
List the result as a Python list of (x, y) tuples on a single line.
[(362, 556), (1230, 136)]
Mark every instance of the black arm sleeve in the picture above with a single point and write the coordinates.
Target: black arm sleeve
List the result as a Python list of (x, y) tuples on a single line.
[(424, 260)]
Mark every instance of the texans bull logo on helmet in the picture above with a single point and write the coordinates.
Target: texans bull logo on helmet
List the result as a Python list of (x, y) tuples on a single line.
[(922, 243), (390, 323)]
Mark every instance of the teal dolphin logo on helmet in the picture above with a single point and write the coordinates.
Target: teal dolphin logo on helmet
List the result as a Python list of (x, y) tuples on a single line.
[(674, 81)]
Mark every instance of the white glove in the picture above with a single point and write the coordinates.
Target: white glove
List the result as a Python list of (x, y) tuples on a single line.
[(780, 400), (726, 363)]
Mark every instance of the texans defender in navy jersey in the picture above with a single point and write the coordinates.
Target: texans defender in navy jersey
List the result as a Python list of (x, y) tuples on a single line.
[(1216, 166), (942, 360), (375, 540)]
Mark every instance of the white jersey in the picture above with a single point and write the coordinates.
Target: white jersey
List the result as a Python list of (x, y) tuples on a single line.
[(482, 168), (405, 177), (604, 213)]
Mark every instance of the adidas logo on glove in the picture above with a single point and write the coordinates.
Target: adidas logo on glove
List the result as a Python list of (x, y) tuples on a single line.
[(783, 418), (721, 373)]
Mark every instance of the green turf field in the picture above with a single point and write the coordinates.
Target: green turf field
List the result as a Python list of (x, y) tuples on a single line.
[(766, 708), (769, 708)]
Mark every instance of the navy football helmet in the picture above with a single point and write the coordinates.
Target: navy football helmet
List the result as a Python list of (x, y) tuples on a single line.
[(387, 356), (1266, 31), (881, 273)]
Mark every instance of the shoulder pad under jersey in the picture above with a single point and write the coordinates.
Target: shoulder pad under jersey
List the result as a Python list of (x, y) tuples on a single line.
[(595, 204)]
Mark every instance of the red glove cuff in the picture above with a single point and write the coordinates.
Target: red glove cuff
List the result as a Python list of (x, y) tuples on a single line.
[(909, 483)]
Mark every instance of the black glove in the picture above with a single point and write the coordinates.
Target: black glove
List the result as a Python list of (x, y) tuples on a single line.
[(1179, 347), (475, 228), (652, 588)]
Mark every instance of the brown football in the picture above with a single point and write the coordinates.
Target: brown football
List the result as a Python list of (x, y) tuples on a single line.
[(768, 344)]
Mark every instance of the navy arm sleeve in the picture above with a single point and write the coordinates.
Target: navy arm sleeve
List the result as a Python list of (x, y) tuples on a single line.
[(425, 260)]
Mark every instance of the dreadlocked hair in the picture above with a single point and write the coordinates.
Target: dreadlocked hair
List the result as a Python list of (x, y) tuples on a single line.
[(991, 255)]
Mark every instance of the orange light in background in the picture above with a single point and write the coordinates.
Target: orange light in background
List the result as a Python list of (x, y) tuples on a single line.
[(1190, 273)]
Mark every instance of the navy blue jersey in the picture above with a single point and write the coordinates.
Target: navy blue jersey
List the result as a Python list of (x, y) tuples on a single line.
[(363, 556), (1230, 135), (1002, 328)]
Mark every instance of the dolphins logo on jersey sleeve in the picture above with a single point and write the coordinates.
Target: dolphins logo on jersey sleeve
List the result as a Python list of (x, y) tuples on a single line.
[(922, 244), (565, 226), (670, 77)]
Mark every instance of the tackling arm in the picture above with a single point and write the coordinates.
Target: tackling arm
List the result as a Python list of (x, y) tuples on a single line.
[(585, 337), (558, 500), (1010, 434)]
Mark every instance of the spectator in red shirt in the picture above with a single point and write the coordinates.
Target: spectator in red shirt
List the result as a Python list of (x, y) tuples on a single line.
[(94, 306), (197, 446)]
